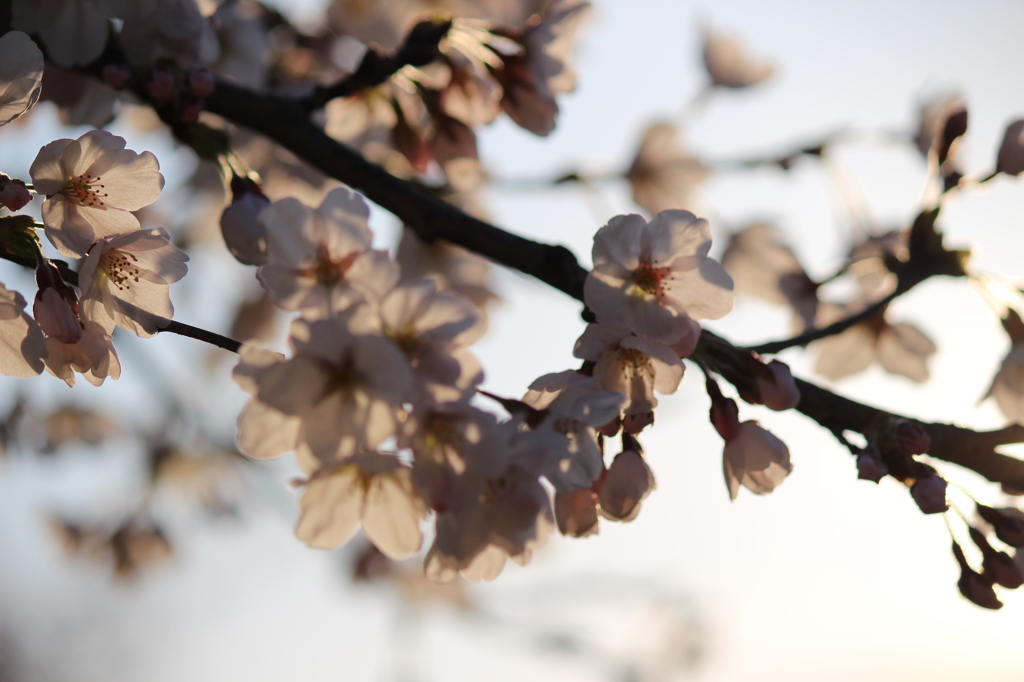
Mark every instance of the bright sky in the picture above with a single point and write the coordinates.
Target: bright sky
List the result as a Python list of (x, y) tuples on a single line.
[(828, 578)]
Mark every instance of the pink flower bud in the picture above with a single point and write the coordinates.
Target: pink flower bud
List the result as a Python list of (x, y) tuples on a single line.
[(117, 76), (997, 566), (161, 84), (1011, 152), (777, 387), (870, 466), (725, 417), (1008, 523), (201, 83), (913, 438), (190, 109), (576, 513), (243, 233), (973, 585), (55, 317), (930, 494), (626, 484), (756, 459), (13, 193)]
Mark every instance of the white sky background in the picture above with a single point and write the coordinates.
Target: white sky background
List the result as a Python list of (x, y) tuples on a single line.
[(828, 578)]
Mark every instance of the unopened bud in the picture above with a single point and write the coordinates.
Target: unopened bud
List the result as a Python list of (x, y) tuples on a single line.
[(190, 109), (55, 317), (725, 417), (1008, 523), (997, 566), (626, 484), (201, 83), (973, 585), (777, 387), (870, 466), (1011, 152), (117, 76), (244, 234), (930, 494), (913, 438), (161, 84), (13, 193)]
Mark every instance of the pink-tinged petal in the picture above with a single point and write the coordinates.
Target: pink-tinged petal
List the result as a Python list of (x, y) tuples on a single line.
[(904, 349), (628, 483), (22, 345), (673, 234), (266, 433), (295, 386), (598, 338), (330, 508), (21, 75), (253, 360), (620, 241), (704, 293), (487, 565), (72, 229), (392, 513), (282, 220), (348, 212), (845, 354), (75, 35), (373, 273), (47, 171)]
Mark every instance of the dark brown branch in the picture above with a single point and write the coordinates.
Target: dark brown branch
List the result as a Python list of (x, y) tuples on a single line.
[(419, 48), (175, 327), (284, 121)]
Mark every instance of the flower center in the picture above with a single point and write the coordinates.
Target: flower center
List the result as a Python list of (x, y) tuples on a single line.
[(650, 279), (634, 363), (327, 270), (85, 190), (120, 267)]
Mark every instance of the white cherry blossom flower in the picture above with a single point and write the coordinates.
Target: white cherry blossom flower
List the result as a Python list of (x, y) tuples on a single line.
[(91, 184), (371, 490), (345, 390), (73, 31), (509, 517), (21, 75), (655, 277), (93, 356), (629, 364), (320, 261), (22, 346), (125, 279), (433, 329), (562, 446), (756, 459), (172, 29), (576, 513)]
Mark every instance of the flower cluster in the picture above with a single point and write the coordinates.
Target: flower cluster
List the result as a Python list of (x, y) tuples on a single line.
[(91, 186)]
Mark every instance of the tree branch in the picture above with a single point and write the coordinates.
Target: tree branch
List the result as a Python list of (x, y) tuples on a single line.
[(419, 48)]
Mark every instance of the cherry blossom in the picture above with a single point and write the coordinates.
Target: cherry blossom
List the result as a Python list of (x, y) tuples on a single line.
[(629, 364), (900, 348), (728, 63), (73, 31), (93, 356), (656, 277), (244, 234), (345, 389), (125, 279), (172, 29), (532, 79), (662, 175), (433, 329), (320, 261), (561, 443), (1008, 384), (22, 346), (371, 490), (21, 75), (756, 459), (91, 184), (576, 512)]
